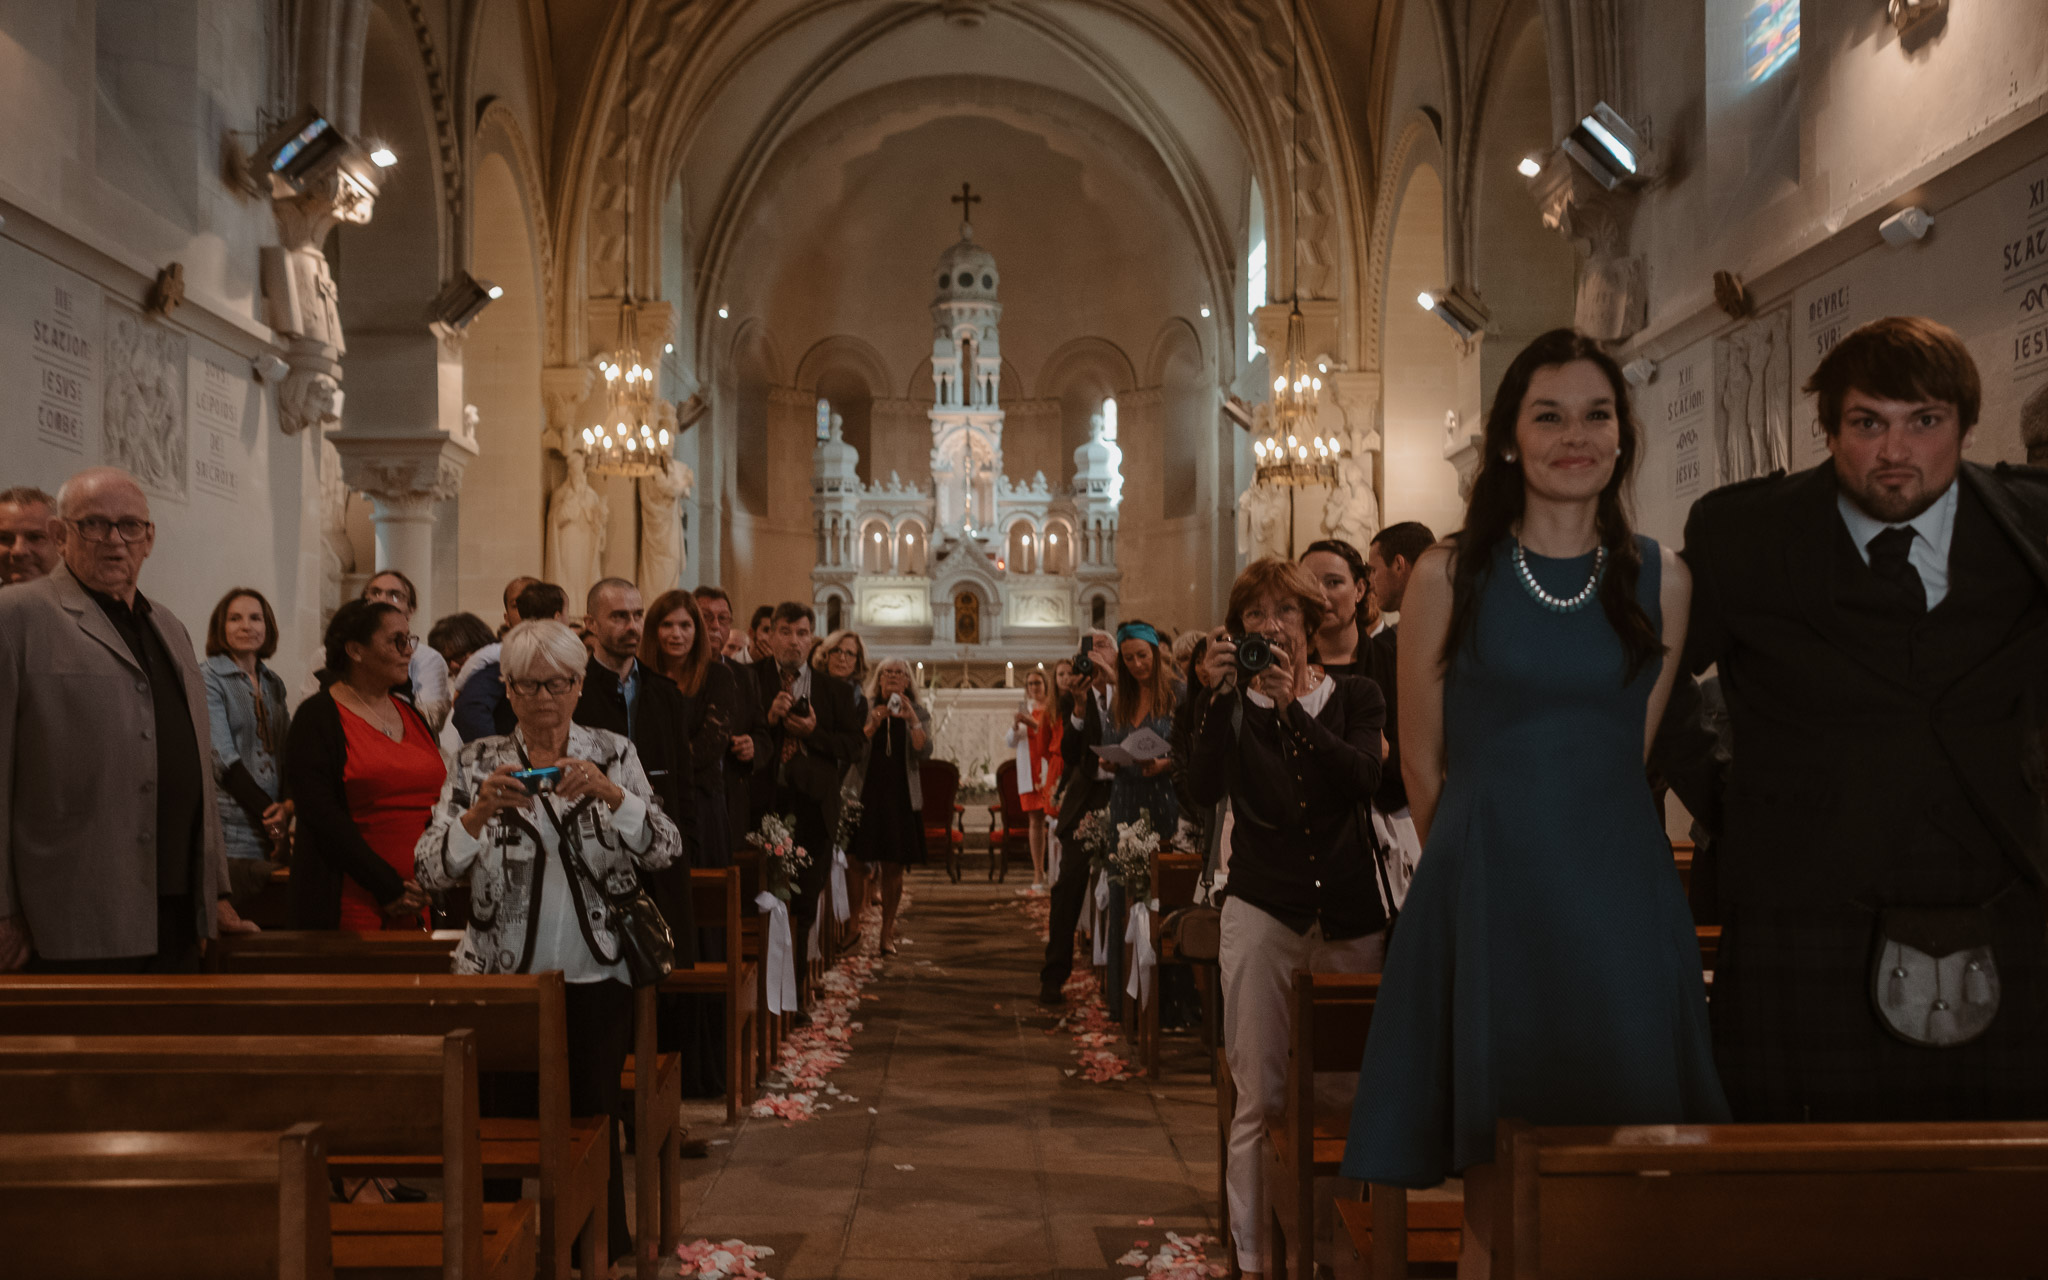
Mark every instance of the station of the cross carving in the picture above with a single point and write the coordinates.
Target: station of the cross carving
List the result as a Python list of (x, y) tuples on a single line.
[(973, 558)]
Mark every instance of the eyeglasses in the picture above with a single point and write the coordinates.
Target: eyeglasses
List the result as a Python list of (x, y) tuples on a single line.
[(557, 686), (101, 529), (405, 643)]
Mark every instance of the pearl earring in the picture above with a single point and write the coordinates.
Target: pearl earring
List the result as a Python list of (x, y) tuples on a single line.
[(1508, 456)]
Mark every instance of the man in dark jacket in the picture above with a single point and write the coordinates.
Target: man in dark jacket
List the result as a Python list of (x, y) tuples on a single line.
[(621, 695), (1086, 785), (481, 708), (1880, 624), (746, 749)]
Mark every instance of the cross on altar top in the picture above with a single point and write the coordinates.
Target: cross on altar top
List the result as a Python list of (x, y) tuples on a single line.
[(966, 199)]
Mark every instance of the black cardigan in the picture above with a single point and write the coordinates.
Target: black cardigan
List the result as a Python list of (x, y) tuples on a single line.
[(328, 846), (1297, 785)]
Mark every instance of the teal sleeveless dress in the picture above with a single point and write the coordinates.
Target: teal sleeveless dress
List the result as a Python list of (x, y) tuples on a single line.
[(1544, 967)]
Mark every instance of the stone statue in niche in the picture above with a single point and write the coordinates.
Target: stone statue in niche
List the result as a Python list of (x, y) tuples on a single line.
[(663, 552), (1352, 511), (966, 618), (1753, 394), (143, 428), (577, 516), (1262, 522), (337, 553)]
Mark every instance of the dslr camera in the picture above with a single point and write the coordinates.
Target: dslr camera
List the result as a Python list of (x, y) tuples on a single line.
[(1254, 653), (1084, 662)]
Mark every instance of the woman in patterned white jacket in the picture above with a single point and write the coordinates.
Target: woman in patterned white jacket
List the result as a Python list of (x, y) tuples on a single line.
[(530, 860)]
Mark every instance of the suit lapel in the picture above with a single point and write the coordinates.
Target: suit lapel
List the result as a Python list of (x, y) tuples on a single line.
[(90, 617), (2007, 515)]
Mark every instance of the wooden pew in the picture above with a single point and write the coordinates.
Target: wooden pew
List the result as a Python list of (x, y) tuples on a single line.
[(519, 1022), (1330, 1014), (1730, 1202), (1380, 1239), (169, 1206), (373, 1096), (1710, 945), (718, 898), (657, 1099), (1175, 879)]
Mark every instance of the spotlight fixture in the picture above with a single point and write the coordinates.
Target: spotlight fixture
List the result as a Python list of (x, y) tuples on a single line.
[(383, 157), (268, 368), (1607, 146), (1639, 371), (1205, 313), (668, 348), (1465, 316), (724, 314), (306, 149), (1529, 167), (1906, 226), (460, 301)]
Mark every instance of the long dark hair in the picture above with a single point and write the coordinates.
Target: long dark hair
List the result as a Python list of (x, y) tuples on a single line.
[(689, 674), (1359, 573), (356, 622), (1498, 495)]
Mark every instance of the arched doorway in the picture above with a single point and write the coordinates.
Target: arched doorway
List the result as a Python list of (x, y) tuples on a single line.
[(1420, 357)]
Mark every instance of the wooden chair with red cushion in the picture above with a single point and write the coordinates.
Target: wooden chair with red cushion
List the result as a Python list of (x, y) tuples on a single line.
[(1009, 824), (945, 834)]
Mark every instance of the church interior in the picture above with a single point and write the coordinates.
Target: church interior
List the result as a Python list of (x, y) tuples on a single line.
[(975, 325)]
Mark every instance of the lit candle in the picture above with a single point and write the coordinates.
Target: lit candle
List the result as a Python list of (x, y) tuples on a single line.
[(1009, 675)]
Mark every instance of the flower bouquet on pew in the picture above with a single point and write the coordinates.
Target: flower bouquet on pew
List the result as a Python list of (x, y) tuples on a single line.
[(1130, 862), (1093, 835), (782, 858)]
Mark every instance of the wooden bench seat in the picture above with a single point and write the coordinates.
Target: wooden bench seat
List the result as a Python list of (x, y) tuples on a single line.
[(168, 1205), (381, 1101), (718, 896), (375, 1241), (1329, 1015), (1425, 1232), (657, 1101), (1728, 1202), (519, 1025)]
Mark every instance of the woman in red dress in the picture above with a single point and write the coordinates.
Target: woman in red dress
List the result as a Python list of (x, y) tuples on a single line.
[(1029, 734), (365, 773)]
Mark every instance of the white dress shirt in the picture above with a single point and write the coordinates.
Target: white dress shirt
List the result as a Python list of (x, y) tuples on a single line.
[(1935, 526)]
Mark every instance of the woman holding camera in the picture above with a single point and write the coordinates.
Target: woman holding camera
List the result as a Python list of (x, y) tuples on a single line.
[(544, 824), (886, 778), (1146, 698), (1031, 730), (1296, 751), (1546, 966)]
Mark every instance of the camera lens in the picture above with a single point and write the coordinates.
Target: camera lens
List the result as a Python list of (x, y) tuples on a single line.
[(1254, 654), (1084, 663)]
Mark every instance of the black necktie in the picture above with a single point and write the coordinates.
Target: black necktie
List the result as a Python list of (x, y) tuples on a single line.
[(1889, 559)]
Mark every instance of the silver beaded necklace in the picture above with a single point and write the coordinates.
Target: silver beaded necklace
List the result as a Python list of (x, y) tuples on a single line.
[(1559, 604)]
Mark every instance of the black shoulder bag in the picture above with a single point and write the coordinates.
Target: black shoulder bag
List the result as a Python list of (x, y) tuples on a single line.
[(645, 943)]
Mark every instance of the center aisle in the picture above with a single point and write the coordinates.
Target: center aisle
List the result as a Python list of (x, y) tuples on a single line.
[(970, 1152)]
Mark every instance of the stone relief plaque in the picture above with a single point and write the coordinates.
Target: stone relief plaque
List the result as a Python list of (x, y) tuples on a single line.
[(65, 346), (1040, 609), (219, 398), (143, 429), (1753, 397)]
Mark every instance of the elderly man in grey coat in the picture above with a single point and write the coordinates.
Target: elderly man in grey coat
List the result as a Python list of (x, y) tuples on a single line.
[(110, 849)]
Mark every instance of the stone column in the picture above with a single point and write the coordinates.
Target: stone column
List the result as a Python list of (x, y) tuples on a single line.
[(1613, 302), (404, 476)]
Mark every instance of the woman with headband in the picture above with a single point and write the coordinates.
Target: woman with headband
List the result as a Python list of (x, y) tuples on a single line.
[(1146, 698)]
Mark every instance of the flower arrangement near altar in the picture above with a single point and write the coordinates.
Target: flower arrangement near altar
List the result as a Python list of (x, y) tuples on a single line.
[(782, 858), (1130, 862)]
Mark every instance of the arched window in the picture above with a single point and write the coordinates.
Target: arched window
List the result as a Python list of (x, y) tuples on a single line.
[(1254, 271), (911, 556), (834, 614), (1058, 553), (874, 547), (1023, 557)]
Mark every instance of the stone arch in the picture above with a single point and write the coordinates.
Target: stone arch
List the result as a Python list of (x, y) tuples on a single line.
[(1422, 382), (1187, 407), (752, 372), (1420, 143), (844, 350), (1079, 375)]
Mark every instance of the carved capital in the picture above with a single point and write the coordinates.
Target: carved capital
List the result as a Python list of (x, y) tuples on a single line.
[(403, 474), (564, 388), (303, 220), (1357, 397), (1613, 301)]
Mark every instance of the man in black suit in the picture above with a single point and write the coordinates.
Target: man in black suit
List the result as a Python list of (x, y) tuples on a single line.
[(746, 749), (1390, 559), (814, 733), (1087, 790), (1880, 624), (627, 698)]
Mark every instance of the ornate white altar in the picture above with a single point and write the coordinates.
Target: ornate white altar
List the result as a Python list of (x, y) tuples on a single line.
[(946, 571)]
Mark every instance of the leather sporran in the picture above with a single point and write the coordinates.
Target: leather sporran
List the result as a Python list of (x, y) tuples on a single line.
[(1933, 978)]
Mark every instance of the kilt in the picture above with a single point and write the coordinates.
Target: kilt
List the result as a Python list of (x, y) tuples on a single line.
[(1797, 1038)]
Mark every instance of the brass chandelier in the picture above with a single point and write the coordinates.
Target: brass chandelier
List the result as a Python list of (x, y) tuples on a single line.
[(629, 440), (1295, 452)]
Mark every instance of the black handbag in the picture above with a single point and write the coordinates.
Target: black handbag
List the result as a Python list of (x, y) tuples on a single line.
[(645, 942)]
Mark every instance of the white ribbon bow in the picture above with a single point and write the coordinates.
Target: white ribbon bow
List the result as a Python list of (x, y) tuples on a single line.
[(842, 910), (1101, 914), (1144, 960), (781, 971)]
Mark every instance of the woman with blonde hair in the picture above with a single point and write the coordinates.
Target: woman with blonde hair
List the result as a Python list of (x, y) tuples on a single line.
[(885, 781), (842, 656)]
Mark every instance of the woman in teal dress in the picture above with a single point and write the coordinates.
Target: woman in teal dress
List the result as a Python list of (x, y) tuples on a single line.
[(1544, 967)]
